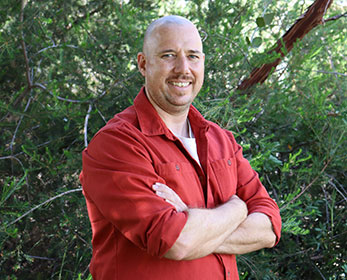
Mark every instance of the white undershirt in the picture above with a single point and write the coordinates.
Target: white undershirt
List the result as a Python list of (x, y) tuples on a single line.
[(189, 143)]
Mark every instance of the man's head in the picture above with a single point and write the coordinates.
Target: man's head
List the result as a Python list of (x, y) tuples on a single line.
[(172, 63)]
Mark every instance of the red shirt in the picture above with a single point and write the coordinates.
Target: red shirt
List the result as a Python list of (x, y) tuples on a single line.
[(132, 227)]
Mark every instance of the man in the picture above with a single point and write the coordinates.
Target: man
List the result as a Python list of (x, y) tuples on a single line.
[(169, 194)]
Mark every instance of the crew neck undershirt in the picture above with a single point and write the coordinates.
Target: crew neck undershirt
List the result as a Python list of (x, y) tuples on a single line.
[(189, 143)]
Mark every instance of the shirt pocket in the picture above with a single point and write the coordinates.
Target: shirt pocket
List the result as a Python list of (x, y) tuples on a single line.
[(183, 179), (225, 176)]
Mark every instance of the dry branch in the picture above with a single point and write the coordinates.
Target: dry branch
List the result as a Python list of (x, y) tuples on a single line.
[(26, 60), (86, 125), (43, 203), (25, 55), (335, 17), (41, 86), (311, 18)]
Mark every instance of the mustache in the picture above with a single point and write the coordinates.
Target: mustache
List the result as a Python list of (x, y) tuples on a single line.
[(181, 77)]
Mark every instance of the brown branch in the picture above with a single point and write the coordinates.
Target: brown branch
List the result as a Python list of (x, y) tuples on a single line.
[(26, 60), (335, 17), (25, 55), (312, 17)]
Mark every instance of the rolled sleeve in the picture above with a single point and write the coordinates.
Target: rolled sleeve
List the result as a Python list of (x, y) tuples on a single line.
[(117, 178)]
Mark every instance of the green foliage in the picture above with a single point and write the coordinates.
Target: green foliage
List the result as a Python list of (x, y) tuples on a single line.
[(81, 70)]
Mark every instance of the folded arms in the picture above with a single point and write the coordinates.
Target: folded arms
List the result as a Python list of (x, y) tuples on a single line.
[(226, 229)]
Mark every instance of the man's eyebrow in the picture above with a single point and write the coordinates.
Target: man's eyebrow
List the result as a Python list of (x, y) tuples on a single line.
[(166, 51), (195, 51), (172, 50)]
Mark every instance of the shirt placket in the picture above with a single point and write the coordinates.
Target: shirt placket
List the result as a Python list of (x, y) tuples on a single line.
[(226, 267), (197, 167)]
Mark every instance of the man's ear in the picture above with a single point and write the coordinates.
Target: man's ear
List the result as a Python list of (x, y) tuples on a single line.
[(141, 63)]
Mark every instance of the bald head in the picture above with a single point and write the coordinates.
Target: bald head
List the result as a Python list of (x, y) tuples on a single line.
[(172, 63), (162, 22)]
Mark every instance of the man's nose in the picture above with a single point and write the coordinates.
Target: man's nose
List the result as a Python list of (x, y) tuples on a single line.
[(182, 65)]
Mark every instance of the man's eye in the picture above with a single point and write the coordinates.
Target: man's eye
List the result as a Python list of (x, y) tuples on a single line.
[(193, 56), (167, 55)]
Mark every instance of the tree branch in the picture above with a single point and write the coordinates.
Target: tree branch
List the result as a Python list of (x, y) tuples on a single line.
[(335, 17), (17, 127), (25, 55), (14, 157), (69, 26), (26, 60), (86, 125), (327, 215), (40, 258), (308, 186), (41, 86), (325, 72), (343, 192), (312, 17), (43, 203), (235, 44), (327, 6), (56, 46)]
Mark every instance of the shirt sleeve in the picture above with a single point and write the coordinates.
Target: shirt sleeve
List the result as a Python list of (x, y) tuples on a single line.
[(252, 191), (117, 176)]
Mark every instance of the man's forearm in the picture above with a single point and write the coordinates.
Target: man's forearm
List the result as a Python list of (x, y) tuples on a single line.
[(206, 230), (253, 234)]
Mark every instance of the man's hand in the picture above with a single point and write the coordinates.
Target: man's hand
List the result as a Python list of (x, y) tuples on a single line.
[(247, 235), (170, 196), (205, 229)]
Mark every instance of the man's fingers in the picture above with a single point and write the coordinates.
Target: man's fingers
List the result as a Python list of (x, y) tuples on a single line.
[(170, 196), (162, 190), (165, 192)]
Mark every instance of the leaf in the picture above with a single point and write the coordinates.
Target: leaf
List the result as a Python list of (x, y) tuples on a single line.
[(236, 59), (260, 21), (275, 160), (268, 18), (257, 42), (315, 52)]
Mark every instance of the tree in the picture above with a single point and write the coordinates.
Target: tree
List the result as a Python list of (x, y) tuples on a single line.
[(312, 17), (66, 68)]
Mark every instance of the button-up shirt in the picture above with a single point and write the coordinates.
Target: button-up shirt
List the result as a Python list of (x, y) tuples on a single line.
[(133, 227)]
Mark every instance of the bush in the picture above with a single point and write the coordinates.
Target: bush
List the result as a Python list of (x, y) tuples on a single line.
[(79, 69)]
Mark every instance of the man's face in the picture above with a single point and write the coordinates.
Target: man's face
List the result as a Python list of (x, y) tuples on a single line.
[(173, 67)]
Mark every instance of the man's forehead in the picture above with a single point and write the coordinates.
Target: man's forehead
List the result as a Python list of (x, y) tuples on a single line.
[(160, 31), (163, 29), (172, 37)]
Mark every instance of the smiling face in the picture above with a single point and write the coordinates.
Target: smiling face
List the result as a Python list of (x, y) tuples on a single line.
[(173, 66)]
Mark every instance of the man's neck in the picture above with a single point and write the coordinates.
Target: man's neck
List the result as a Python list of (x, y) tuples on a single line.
[(177, 121), (178, 124)]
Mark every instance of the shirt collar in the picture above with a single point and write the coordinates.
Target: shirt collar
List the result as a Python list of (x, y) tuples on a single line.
[(151, 124)]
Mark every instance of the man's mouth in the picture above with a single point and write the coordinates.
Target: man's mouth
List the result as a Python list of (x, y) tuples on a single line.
[(180, 84)]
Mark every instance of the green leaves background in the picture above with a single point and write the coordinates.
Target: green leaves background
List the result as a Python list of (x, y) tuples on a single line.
[(79, 69)]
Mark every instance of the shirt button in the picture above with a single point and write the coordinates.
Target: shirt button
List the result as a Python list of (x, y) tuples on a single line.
[(177, 167), (229, 162)]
